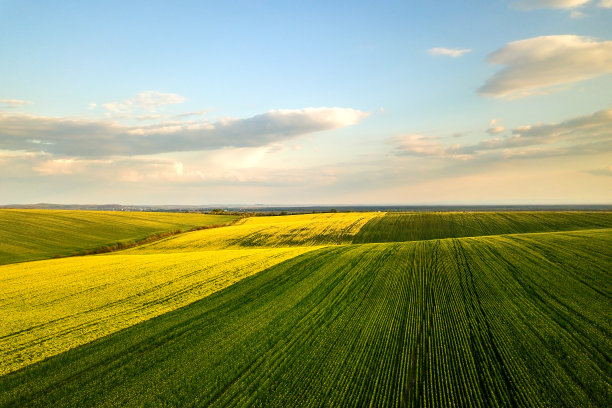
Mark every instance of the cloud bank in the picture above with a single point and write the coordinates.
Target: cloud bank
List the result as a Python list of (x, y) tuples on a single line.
[(591, 134), (536, 64), (89, 138)]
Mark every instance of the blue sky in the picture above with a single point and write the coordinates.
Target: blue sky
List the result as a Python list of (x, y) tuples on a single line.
[(306, 102)]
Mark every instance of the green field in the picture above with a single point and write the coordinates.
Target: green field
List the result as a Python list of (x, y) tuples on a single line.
[(27, 235), (516, 313), (394, 227)]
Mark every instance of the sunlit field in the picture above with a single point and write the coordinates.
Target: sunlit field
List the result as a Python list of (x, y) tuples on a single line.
[(52, 306)]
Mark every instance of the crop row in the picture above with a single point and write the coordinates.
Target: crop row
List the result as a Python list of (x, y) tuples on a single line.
[(399, 227), (486, 322)]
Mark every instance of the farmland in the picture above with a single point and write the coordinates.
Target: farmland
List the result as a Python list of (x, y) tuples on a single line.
[(393, 227), (356, 309), (280, 231), (27, 235)]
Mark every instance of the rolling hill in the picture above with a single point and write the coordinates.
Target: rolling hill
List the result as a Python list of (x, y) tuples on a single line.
[(464, 309), (27, 235)]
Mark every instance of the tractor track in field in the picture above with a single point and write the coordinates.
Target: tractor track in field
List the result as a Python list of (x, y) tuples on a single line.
[(499, 361)]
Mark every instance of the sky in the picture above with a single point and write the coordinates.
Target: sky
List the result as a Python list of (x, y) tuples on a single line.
[(309, 102)]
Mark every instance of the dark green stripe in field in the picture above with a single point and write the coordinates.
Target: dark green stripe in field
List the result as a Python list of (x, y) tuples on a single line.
[(399, 227), (27, 235), (482, 322)]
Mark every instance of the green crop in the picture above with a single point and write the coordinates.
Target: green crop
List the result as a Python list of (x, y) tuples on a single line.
[(397, 227)]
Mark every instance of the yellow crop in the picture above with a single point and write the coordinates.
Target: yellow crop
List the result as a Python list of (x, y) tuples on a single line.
[(276, 231), (48, 307)]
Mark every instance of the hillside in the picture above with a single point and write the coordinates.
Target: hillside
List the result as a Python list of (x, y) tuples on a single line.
[(27, 235), (272, 231), (347, 228), (54, 305)]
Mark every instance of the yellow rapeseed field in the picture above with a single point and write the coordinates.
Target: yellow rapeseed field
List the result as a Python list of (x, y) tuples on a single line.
[(48, 307), (275, 231)]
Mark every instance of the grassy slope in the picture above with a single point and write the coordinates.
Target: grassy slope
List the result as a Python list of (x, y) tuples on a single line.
[(27, 235), (496, 321), (398, 227)]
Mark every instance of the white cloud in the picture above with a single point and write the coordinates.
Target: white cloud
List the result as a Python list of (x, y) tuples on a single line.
[(66, 166), (88, 138), (577, 14), (11, 155), (495, 130), (164, 170), (450, 52), (14, 103), (123, 169), (224, 166), (419, 145), (535, 65), (147, 101), (194, 113), (605, 3), (554, 4), (148, 117)]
